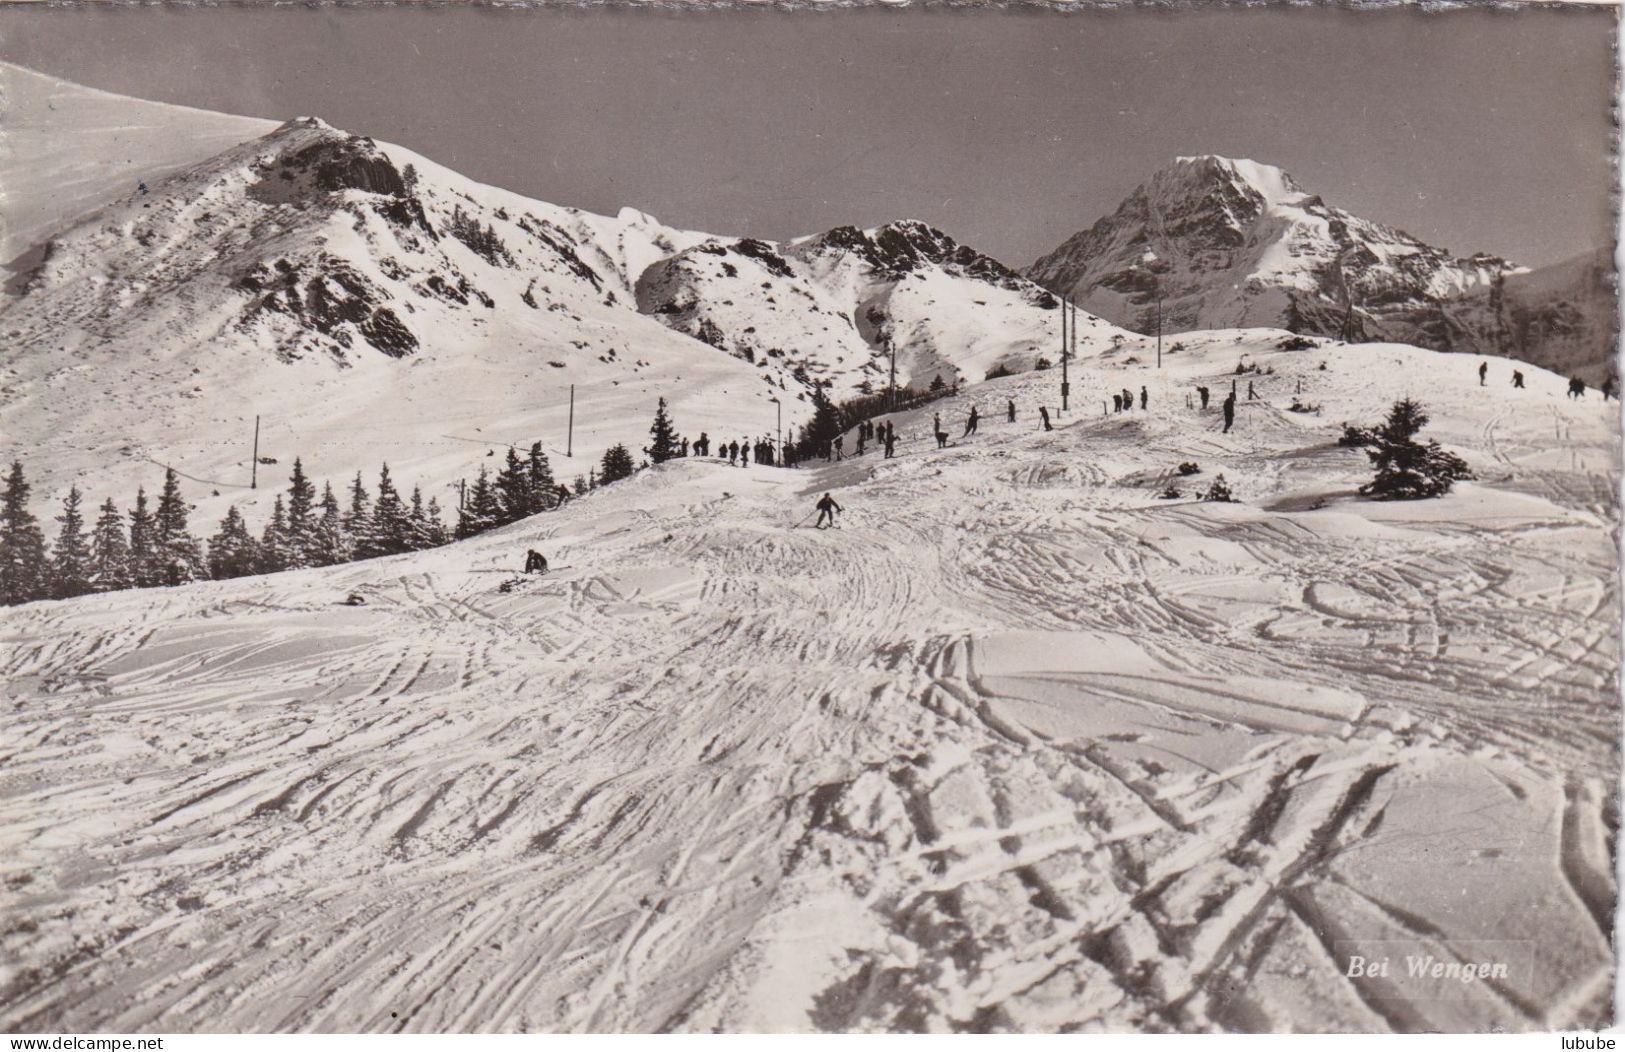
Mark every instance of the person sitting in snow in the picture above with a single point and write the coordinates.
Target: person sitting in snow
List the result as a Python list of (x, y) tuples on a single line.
[(535, 562)]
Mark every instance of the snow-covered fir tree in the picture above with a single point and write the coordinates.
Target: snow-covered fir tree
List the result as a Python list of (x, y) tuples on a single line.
[(391, 527), (332, 543), (616, 465), (301, 518), (663, 438), (514, 488), (145, 571), (109, 550), (273, 548), (179, 553), (542, 486), (23, 570), (71, 566), (481, 510), (233, 552)]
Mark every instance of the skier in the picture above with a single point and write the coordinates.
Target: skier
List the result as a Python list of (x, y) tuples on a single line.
[(970, 423), (1011, 411), (1144, 398), (1483, 372), (535, 562), (1608, 388), (1128, 399), (1517, 379), (563, 493), (744, 450), (1252, 395), (1229, 411), (942, 439), (891, 442), (1577, 387), (732, 449), (1043, 414), (838, 440), (702, 448), (826, 510), (936, 422), (1204, 393), (859, 451), (685, 447), (1117, 403)]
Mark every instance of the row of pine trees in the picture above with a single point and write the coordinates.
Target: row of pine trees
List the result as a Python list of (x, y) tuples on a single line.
[(154, 546)]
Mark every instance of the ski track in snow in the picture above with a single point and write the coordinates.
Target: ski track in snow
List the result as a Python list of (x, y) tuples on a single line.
[(1018, 747)]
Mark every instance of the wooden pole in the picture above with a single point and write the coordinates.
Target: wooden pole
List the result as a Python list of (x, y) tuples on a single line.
[(1066, 386), (254, 476), (570, 439)]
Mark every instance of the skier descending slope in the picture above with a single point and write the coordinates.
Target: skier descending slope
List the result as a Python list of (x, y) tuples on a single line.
[(827, 509), (1043, 414), (970, 423), (1229, 411), (1012, 411)]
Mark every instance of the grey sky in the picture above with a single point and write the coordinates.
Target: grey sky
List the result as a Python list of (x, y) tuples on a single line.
[(1472, 130)]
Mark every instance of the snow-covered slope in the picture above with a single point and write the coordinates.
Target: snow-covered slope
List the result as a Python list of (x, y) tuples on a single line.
[(1239, 243), (1021, 746), (834, 306), (66, 149), (367, 304)]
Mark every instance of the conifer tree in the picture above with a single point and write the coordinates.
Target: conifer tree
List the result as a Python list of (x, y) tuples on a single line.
[(180, 555), (358, 519), (332, 540), (144, 568), (24, 574), (71, 567), (482, 510), (1408, 469), (391, 521), (580, 486), (513, 489), (301, 519), (233, 551), (109, 551), (616, 465), (273, 549), (542, 486), (437, 524), (664, 444)]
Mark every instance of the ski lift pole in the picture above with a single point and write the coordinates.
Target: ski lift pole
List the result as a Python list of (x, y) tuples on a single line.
[(254, 468), (570, 435)]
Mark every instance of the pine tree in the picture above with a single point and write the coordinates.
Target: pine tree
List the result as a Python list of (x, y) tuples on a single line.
[(24, 573), (482, 510), (936, 383), (71, 567), (580, 486), (109, 551), (233, 551), (424, 530), (513, 489), (391, 521), (664, 446), (437, 524), (301, 519), (144, 568), (273, 548), (180, 554), (1408, 469), (542, 486), (358, 519), (617, 465), (331, 541)]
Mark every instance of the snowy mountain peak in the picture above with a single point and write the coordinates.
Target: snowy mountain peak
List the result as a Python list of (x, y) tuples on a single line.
[(1212, 242)]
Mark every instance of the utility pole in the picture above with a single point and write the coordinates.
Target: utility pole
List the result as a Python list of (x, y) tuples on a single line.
[(462, 494), (570, 438), (254, 469), (1159, 322), (1066, 386), (779, 428), (892, 347)]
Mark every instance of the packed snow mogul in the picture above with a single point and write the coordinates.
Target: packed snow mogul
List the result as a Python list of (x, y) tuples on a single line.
[(826, 511), (1229, 411), (970, 423), (535, 562)]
